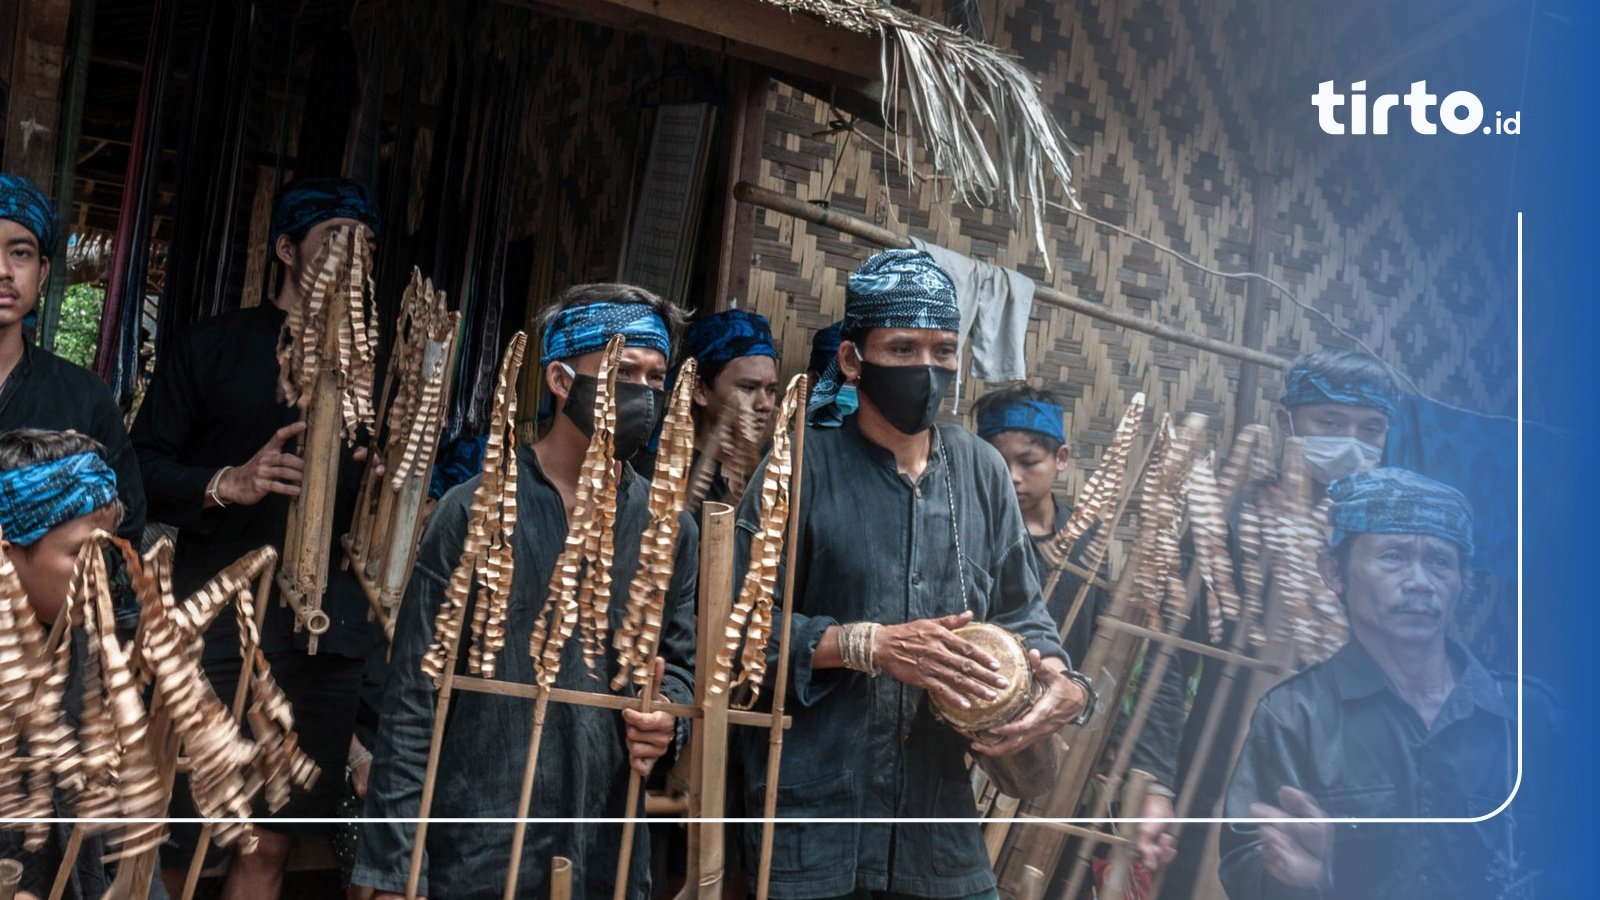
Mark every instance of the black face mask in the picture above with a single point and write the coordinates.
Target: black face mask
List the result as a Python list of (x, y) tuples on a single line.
[(907, 396), (638, 407)]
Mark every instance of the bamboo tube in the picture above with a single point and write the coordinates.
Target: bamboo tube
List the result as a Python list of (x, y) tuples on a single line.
[(1032, 884), (1156, 675), (781, 688), (10, 878), (430, 774), (631, 805), (746, 192), (709, 750), (1119, 876), (69, 860), (305, 577), (560, 878)]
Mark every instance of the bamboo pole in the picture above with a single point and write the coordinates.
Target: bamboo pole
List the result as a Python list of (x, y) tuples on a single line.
[(1119, 876), (241, 692), (1040, 849), (560, 878), (747, 192), (781, 688), (1154, 678), (69, 861), (530, 769), (708, 786), (430, 775), (631, 805)]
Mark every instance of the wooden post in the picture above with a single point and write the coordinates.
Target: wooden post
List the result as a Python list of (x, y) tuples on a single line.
[(1263, 192), (781, 688), (67, 162), (743, 163)]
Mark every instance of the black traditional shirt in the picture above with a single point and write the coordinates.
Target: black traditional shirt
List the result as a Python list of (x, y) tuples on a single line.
[(874, 546), (1341, 732), (583, 761), (214, 403), (45, 391)]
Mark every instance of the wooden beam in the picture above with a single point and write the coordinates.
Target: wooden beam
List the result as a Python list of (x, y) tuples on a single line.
[(748, 98), (1043, 294), (36, 66), (744, 29)]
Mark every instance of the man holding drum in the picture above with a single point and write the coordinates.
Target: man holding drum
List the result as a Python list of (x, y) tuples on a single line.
[(909, 532)]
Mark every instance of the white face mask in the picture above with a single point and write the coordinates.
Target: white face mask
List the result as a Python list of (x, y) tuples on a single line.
[(1332, 458)]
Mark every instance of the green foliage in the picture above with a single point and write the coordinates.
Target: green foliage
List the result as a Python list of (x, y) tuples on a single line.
[(78, 335)]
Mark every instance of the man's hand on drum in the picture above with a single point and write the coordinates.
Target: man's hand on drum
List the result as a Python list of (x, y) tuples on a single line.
[(927, 653), (1060, 701)]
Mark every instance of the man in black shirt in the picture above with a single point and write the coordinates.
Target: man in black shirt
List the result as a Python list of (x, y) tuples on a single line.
[(37, 388), (213, 440), (1400, 723)]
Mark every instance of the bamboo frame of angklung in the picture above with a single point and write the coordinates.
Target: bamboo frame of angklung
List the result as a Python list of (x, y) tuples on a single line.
[(138, 869), (451, 682), (1035, 856), (709, 707), (333, 392), (381, 545)]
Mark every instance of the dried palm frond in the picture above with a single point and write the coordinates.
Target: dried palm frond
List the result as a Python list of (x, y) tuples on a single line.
[(335, 286), (575, 578), (635, 642), (751, 618), (486, 549), (965, 97), (1100, 493)]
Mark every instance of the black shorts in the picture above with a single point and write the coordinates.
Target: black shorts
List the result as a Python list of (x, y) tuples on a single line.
[(323, 691)]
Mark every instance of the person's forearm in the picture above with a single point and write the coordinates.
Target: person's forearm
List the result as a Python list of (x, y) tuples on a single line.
[(827, 655)]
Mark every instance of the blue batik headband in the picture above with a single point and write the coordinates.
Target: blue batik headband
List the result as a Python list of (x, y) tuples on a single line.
[(584, 329), (1023, 415), (1305, 388), (37, 498), (892, 289), (1399, 501)]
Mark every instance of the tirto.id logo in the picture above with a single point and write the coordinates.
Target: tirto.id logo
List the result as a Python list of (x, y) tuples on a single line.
[(1460, 112)]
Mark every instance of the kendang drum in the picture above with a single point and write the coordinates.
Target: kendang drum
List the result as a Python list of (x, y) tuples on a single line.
[(1033, 770)]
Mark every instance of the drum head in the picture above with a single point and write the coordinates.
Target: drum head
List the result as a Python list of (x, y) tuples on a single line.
[(1012, 700)]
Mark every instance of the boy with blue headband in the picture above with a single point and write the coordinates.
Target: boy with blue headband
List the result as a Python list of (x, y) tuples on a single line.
[(55, 492), (37, 388), (586, 753), (1027, 426)]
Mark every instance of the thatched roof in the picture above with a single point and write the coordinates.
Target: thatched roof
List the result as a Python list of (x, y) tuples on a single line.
[(973, 106)]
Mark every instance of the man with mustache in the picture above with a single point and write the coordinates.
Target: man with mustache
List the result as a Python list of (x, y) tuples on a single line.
[(908, 531), (1402, 722)]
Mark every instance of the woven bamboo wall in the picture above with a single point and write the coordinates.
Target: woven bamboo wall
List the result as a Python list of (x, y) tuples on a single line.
[(1154, 94)]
